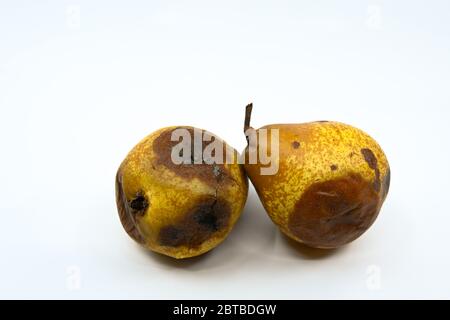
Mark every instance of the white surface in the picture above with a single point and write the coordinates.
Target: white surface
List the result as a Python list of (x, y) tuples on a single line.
[(81, 82)]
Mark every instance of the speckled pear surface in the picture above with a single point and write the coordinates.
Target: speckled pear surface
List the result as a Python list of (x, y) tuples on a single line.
[(180, 210), (331, 184)]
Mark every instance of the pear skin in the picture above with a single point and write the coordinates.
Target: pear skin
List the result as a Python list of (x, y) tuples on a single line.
[(178, 210), (331, 182)]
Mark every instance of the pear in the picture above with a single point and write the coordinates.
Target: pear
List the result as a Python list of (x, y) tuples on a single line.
[(331, 180), (179, 209)]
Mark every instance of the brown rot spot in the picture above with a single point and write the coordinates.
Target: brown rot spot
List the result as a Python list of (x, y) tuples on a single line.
[(127, 213), (206, 170), (370, 158), (139, 203), (372, 161), (335, 212), (295, 144), (334, 167), (208, 218), (322, 121), (171, 236)]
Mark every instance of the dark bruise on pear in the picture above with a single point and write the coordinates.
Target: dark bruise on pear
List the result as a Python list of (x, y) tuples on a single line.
[(211, 174), (207, 218), (127, 213), (345, 207)]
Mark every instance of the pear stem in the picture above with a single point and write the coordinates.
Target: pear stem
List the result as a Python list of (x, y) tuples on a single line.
[(248, 117)]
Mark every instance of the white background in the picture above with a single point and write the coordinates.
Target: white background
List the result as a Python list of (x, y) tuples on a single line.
[(81, 82)]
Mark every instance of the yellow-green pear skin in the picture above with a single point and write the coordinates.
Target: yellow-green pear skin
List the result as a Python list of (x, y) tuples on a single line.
[(178, 210), (330, 186)]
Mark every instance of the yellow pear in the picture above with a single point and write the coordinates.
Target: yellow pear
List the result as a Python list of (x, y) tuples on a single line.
[(178, 209), (330, 184)]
